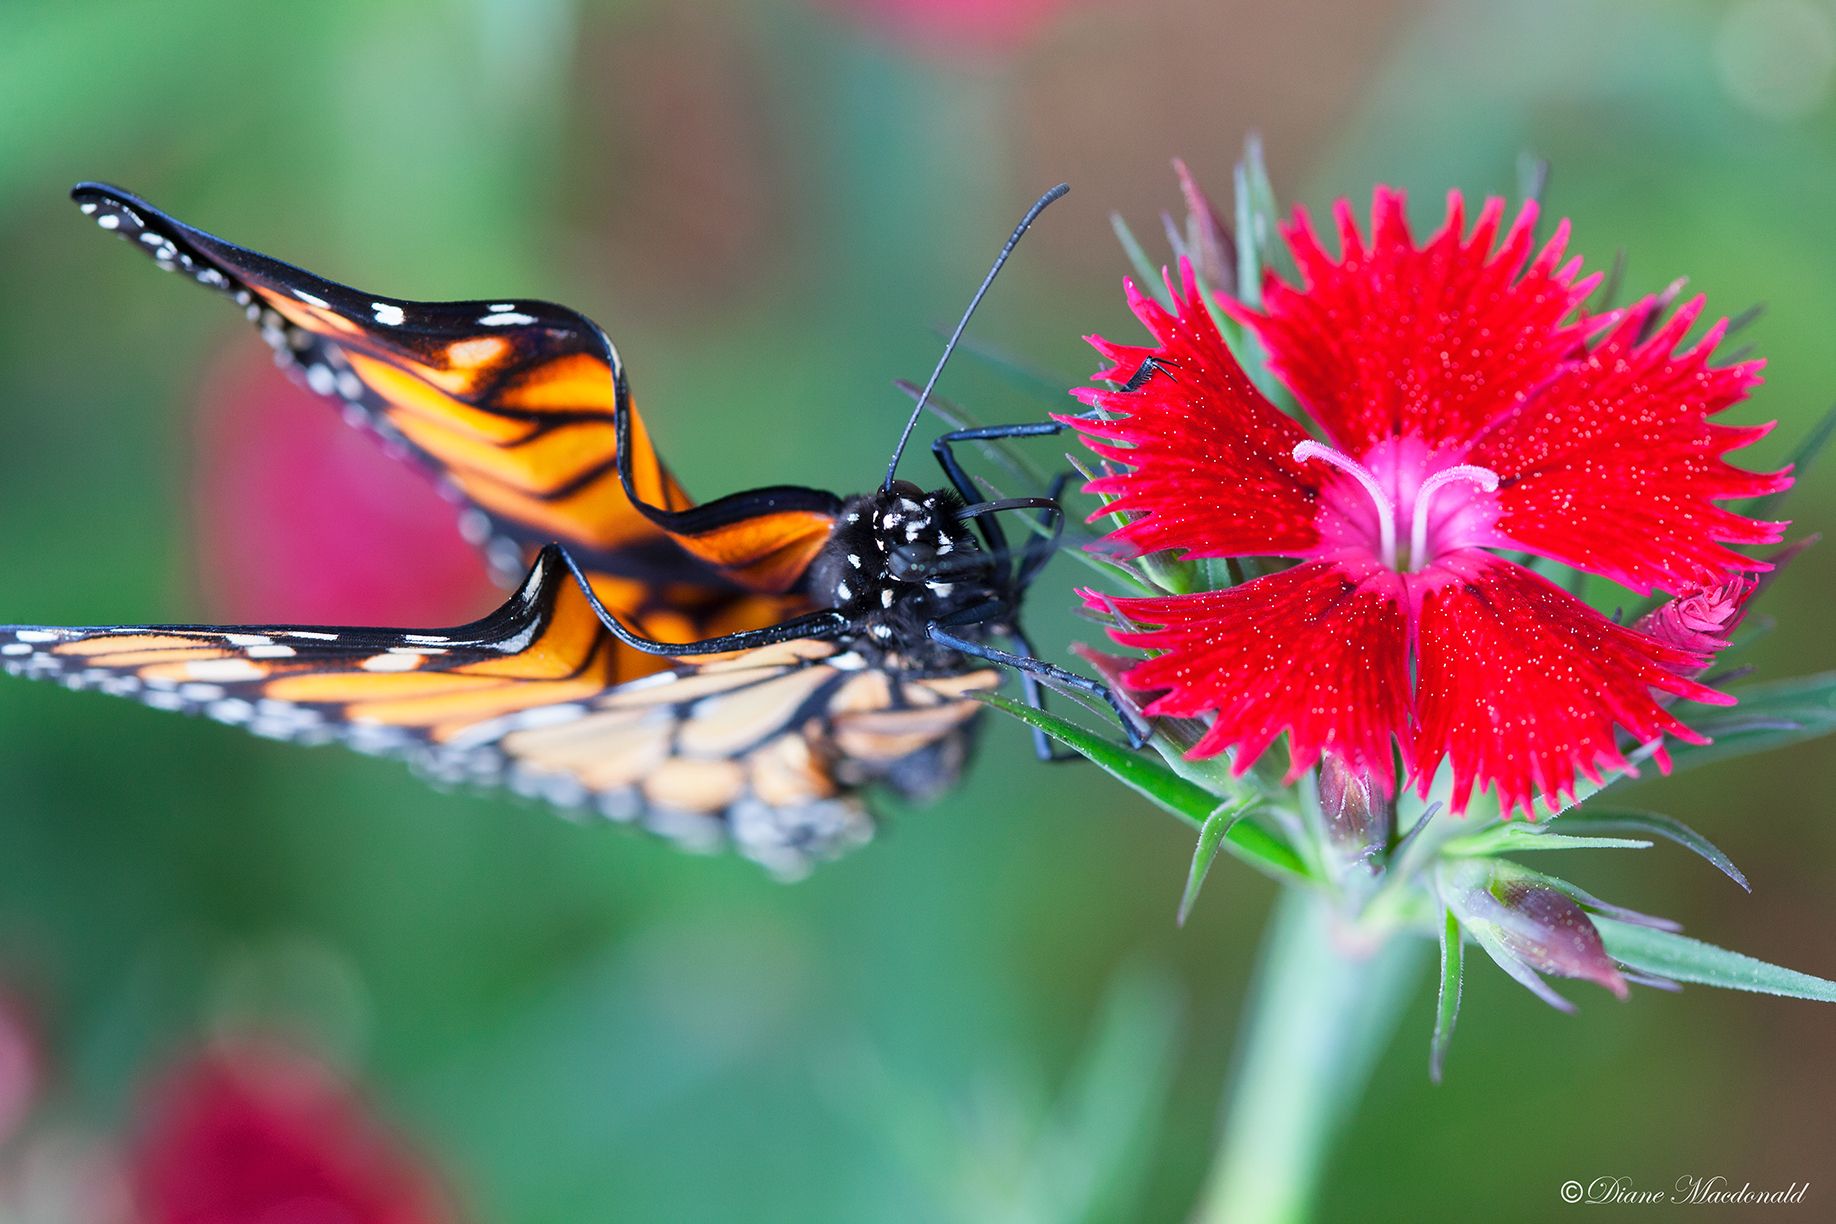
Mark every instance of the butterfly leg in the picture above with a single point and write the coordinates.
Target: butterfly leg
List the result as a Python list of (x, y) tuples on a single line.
[(1044, 543), (1031, 666), (1043, 746), (942, 445), (1033, 558)]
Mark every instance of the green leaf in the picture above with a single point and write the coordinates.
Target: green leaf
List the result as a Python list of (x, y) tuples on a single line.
[(1515, 836), (1659, 825), (1257, 253), (1147, 275), (1690, 960), (1256, 210), (1211, 834), (1768, 716), (1222, 573), (1169, 573), (1447, 1010), (1193, 804), (1158, 783), (1212, 774)]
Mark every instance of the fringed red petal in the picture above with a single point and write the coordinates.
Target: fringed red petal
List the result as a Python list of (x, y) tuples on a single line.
[(1314, 651), (1522, 686), (1435, 339), (1616, 468), (1204, 463)]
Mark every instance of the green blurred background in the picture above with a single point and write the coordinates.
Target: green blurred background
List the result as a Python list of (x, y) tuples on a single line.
[(988, 1014)]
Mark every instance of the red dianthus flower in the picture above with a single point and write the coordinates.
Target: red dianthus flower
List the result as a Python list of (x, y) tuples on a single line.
[(1467, 406), (257, 1132)]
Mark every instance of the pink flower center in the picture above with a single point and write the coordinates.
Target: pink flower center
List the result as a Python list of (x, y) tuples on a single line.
[(1447, 506)]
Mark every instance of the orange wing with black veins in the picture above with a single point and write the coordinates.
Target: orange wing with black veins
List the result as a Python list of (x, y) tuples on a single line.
[(523, 413), (765, 749)]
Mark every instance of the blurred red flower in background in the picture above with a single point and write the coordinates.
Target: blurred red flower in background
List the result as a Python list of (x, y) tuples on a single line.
[(256, 1132), (251, 1129), (302, 519)]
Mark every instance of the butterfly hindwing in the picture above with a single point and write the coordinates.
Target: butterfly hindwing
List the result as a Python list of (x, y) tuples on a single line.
[(765, 748), (517, 407)]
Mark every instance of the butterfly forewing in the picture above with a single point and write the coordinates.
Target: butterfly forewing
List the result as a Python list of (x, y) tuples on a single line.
[(517, 407)]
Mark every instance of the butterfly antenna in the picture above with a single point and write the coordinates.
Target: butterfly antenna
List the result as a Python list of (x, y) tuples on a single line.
[(1013, 240)]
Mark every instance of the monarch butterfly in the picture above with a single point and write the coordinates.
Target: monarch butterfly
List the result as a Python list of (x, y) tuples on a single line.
[(735, 671)]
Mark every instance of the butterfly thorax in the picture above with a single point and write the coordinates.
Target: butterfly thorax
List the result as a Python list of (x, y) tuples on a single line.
[(901, 559)]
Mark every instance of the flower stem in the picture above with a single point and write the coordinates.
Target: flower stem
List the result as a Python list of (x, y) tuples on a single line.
[(1324, 1003)]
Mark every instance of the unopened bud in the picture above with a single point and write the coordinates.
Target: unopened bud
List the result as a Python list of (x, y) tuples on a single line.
[(1528, 924), (1357, 815), (1701, 619), (1208, 239)]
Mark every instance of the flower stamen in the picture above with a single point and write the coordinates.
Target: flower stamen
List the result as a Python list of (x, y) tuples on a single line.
[(1485, 478), (1386, 508)]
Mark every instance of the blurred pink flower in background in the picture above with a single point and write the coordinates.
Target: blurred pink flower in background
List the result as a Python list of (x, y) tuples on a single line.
[(955, 25), (257, 1132), (303, 519), (22, 1061), (51, 1171)]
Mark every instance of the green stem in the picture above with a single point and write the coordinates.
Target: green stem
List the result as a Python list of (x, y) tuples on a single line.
[(1322, 1006)]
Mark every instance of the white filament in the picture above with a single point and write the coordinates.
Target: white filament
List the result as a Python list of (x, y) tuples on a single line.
[(1485, 478), (1386, 509)]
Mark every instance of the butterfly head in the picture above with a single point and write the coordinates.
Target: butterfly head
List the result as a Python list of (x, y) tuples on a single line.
[(900, 559)]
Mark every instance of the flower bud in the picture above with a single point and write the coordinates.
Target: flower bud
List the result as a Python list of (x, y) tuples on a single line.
[(1357, 816), (1702, 618), (1529, 924), (1208, 241)]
